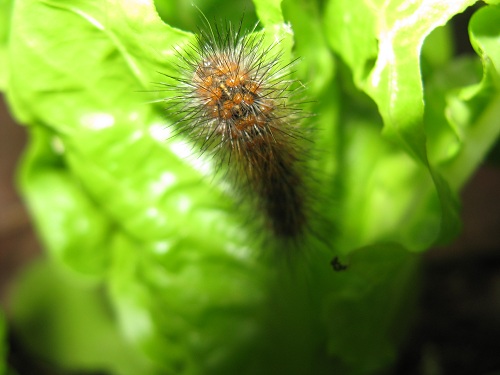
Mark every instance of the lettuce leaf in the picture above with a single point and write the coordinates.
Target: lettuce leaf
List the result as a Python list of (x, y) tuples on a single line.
[(400, 125)]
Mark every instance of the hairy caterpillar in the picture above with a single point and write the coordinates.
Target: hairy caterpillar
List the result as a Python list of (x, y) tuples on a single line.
[(235, 98)]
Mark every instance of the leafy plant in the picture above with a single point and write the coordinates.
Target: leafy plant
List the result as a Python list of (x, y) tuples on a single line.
[(3, 349), (401, 124)]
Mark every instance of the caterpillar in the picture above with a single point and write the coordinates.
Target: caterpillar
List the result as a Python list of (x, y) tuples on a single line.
[(235, 98)]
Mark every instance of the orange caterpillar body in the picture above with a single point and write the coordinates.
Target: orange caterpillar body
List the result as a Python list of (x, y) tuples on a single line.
[(234, 98)]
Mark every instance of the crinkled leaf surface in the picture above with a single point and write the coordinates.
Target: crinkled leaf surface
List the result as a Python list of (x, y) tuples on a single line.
[(473, 111), (381, 43), (116, 198), (103, 182)]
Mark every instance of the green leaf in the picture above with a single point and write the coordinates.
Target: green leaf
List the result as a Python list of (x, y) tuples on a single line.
[(473, 111), (110, 193), (3, 345), (384, 42), (200, 307), (351, 31), (65, 320), (71, 225), (393, 78), (315, 66), (138, 183), (63, 69), (380, 203), (372, 329), (115, 197), (5, 13), (269, 12), (395, 82)]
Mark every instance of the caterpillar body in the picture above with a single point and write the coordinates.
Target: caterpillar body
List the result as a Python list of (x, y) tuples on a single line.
[(235, 98)]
